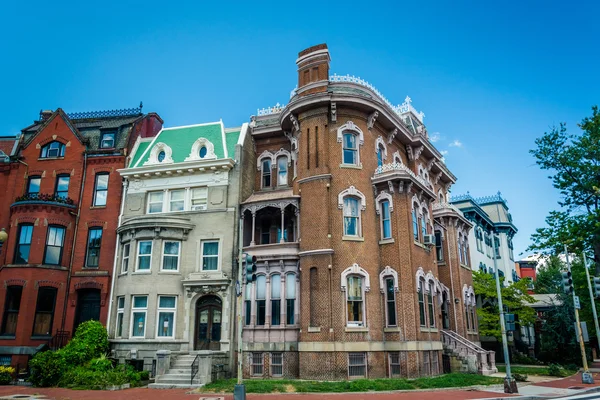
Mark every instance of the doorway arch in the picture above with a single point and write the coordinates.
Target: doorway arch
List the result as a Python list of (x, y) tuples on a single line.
[(209, 311)]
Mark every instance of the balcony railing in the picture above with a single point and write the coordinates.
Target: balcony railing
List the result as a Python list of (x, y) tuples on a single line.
[(36, 198), (385, 168)]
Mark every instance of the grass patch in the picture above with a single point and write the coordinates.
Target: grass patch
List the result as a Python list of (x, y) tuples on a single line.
[(543, 371), (359, 385)]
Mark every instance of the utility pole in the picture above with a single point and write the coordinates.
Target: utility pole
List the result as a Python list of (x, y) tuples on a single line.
[(592, 297), (510, 385), (239, 391), (586, 376)]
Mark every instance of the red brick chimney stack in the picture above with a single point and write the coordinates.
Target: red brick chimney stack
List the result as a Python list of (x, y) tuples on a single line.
[(313, 70)]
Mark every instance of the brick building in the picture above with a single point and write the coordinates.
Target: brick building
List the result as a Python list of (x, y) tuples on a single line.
[(362, 266), (61, 197)]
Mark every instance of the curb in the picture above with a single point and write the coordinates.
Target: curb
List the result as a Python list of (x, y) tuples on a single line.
[(578, 392)]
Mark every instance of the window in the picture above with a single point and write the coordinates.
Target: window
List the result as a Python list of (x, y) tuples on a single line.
[(276, 364), (390, 299), (138, 316), (44, 311), (467, 317), (53, 149), (125, 262), (460, 251), (167, 306), (430, 305), (261, 289), (161, 156), (101, 189), (23, 244), (6, 360), (351, 216), (466, 252), (107, 140), (479, 239), (415, 225), (266, 173), (355, 301), (199, 198), (120, 312), (434, 363), (54, 245), (357, 365), (210, 255), (93, 247), (426, 363), (155, 202), (473, 319), (496, 247), (171, 252), (290, 298), (379, 156), (203, 151), (421, 296), (177, 200), (275, 299), (424, 225), (248, 304), (144, 255), (394, 364), (265, 232), (256, 361), (386, 223), (12, 305), (282, 171), (439, 250), (33, 186), (350, 149), (62, 186)]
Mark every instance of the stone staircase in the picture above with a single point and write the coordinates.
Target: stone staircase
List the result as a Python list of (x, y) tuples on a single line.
[(472, 358), (178, 375)]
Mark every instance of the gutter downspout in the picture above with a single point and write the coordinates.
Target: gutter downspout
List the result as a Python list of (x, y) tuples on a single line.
[(26, 174), (83, 177), (114, 274)]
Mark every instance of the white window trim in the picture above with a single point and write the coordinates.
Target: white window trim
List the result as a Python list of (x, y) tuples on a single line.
[(121, 312), (192, 198), (380, 142), (164, 309), (352, 191), (138, 309), (156, 149), (262, 175), (202, 242), (164, 196), (287, 171), (195, 152), (387, 272), (169, 196), (137, 256), (397, 158), (355, 270), (125, 257), (350, 127), (358, 163), (162, 257)]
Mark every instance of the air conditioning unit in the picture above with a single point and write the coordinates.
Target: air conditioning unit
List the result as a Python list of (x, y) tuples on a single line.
[(429, 240), (199, 207)]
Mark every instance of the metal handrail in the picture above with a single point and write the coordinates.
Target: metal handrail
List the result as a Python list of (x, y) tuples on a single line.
[(464, 341), (195, 368), (59, 340)]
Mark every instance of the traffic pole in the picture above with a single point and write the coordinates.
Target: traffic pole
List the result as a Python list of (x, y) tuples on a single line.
[(586, 376), (587, 274), (239, 391)]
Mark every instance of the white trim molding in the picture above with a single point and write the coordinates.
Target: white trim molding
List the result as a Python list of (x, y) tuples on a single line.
[(355, 269), (388, 271), (352, 191), (350, 126), (195, 152), (384, 195), (380, 141), (156, 149)]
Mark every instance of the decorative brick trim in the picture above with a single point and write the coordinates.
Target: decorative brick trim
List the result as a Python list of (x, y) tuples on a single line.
[(57, 221), (46, 283), (34, 172), (89, 285), (64, 171), (27, 220), (97, 170), (102, 224), (15, 282), (53, 138)]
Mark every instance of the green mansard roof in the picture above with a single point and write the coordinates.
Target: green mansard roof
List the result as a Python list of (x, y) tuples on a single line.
[(180, 140)]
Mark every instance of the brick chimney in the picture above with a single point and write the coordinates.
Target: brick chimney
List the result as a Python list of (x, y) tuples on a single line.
[(313, 70), (45, 114)]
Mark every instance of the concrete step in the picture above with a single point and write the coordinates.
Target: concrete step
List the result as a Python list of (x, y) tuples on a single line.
[(182, 380), (179, 371), (173, 386)]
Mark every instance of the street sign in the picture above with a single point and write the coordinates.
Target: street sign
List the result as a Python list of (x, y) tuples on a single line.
[(510, 326), (584, 331), (509, 317), (577, 303)]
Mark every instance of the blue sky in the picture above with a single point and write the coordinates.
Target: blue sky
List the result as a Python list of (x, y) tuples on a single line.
[(489, 77)]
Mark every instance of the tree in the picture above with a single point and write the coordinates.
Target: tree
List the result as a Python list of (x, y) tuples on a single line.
[(514, 298), (574, 160), (548, 277)]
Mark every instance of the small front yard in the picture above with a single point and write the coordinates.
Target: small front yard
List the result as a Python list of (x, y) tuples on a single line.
[(360, 385), (543, 371)]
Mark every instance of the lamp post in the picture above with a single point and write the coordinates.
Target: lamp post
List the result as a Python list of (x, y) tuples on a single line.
[(510, 385)]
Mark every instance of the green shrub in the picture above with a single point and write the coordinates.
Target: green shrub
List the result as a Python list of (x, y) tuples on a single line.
[(571, 367), (144, 375), (556, 370), (520, 377), (47, 368), (100, 364), (81, 377), (90, 341), (6, 375)]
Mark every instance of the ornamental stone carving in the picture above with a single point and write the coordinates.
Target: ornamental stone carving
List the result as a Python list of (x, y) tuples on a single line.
[(371, 120)]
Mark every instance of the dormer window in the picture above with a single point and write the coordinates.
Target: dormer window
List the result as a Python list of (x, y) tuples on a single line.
[(53, 150), (161, 156), (203, 151), (107, 140)]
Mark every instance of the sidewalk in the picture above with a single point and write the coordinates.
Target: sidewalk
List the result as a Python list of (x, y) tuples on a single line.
[(560, 387)]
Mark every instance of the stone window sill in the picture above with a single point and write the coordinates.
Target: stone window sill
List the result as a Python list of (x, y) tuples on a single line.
[(392, 329), (7, 337), (441, 263), (168, 272), (356, 329), (144, 272), (465, 266), (387, 241), (423, 329), (353, 238), (421, 245), (50, 158), (351, 166), (41, 337), (97, 207), (314, 329)]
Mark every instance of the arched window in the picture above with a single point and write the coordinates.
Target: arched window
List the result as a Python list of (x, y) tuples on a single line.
[(266, 173), (248, 304), (379, 155), (290, 298), (282, 171), (161, 156), (388, 281), (439, 249), (430, 305), (421, 296), (415, 224), (261, 292), (52, 150), (350, 149), (203, 151), (352, 225), (386, 221), (355, 301), (275, 299), (460, 250), (424, 221)]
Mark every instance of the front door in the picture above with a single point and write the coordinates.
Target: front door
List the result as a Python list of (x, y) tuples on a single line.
[(208, 323), (445, 313), (88, 306)]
